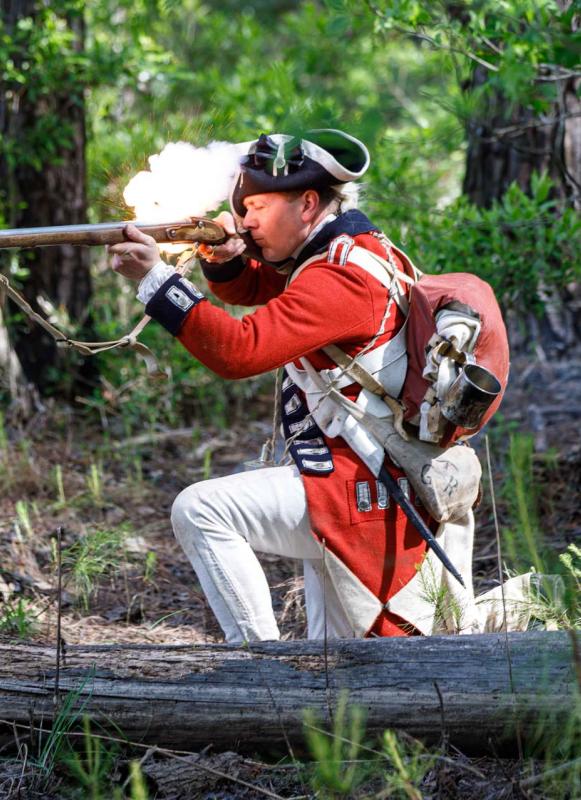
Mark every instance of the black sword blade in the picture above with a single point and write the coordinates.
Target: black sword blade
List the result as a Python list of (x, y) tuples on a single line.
[(411, 513)]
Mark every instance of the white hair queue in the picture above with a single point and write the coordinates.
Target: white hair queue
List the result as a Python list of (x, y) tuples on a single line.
[(347, 195)]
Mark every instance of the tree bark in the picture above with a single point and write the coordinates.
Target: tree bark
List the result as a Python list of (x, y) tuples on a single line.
[(508, 143), (50, 193), (250, 697)]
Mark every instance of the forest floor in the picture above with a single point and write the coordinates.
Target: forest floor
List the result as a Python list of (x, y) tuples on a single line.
[(127, 580)]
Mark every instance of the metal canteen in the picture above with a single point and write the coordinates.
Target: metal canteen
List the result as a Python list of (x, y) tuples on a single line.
[(470, 396)]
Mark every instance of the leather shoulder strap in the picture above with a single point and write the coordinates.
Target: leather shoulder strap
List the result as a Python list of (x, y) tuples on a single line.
[(364, 378)]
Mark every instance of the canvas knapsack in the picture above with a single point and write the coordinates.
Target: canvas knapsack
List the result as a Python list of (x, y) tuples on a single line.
[(434, 301)]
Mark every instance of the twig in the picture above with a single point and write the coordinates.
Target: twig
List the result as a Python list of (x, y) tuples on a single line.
[(423, 37), (445, 759), (325, 651), (151, 438), (178, 755), (500, 578), (442, 717), (576, 655), (59, 534), (24, 763), (141, 762), (549, 773), (265, 683), (562, 74)]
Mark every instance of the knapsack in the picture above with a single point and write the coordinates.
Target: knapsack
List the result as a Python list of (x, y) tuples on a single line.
[(483, 370)]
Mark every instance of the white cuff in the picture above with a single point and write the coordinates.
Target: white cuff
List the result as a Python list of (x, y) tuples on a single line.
[(151, 282)]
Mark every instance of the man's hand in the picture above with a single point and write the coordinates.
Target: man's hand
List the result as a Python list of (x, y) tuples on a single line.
[(134, 258), (233, 246)]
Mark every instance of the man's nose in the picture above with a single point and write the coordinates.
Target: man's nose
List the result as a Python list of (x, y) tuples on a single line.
[(249, 220)]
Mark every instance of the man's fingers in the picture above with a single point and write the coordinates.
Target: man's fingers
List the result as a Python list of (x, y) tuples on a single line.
[(135, 235), (223, 252), (116, 263), (226, 220), (123, 249)]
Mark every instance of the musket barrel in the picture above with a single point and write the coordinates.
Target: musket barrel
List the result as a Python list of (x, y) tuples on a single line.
[(193, 230)]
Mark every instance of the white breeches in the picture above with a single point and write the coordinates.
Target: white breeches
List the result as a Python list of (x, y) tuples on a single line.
[(221, 523)]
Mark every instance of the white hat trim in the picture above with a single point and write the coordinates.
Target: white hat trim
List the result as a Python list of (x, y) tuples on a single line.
[(320, 155)]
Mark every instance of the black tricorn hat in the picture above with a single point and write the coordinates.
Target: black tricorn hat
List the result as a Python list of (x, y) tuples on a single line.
[(282, 163)]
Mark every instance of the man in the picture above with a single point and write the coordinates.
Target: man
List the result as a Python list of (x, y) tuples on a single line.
[(366, 570)]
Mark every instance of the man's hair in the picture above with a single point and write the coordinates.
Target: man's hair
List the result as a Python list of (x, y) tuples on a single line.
[(337, 199)]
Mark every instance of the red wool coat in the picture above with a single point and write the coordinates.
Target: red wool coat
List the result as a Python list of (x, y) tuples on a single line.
[(328, 303)]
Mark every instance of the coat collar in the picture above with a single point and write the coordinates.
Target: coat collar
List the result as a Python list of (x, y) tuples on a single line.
[(352, 223)]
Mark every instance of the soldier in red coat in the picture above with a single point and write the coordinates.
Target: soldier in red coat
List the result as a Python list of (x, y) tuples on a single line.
[(309, 259)]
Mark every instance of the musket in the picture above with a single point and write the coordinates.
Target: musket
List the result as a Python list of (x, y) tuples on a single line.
[(192, 230)]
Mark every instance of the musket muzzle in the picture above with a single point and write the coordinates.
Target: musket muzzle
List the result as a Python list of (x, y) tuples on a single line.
[(195, 229), (470, 396)]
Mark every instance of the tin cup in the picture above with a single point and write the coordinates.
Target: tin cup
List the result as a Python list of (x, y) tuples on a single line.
[(470, 396)]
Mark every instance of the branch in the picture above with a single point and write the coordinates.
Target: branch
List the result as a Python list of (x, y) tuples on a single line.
[(516, 130), (562, 74), (423, 37)]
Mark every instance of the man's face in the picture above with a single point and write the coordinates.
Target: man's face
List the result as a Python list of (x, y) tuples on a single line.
[(278, 223)]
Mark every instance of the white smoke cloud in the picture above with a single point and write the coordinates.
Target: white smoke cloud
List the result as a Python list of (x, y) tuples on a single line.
[(183, 181)]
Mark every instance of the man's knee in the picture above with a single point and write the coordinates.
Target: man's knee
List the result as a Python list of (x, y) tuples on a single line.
[(186, 513), (197, 511)]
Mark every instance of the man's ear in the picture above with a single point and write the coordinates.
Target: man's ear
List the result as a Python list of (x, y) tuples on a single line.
[(311, 205)]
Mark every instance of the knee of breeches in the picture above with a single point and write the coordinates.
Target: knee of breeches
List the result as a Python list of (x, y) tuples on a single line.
[(186, 514), (197, 513)]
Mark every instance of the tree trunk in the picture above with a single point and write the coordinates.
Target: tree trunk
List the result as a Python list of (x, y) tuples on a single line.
[(52, 192), (255, 696), (508, 143), (511, 143)]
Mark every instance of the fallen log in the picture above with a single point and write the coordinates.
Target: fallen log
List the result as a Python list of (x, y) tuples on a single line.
[(254, 696)]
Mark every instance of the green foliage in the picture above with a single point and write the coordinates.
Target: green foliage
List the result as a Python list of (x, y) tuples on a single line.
[(336, 770), (91, 558), (521, 44), (149, 566), (95, 483), (17, 617), (523, 543), (395, 74), (339, 768), (409, 763), (555, 592), (570, 560), (138, 785), (24, 521), (525, 246), (448, 613), (54, 741), (559, 746), (59, 485), (40, 56), (92, 768)]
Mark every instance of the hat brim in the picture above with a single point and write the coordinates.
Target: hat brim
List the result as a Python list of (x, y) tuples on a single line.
[(331, 157)]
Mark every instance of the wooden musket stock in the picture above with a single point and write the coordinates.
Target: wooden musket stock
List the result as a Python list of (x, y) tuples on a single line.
[(195, 229)]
